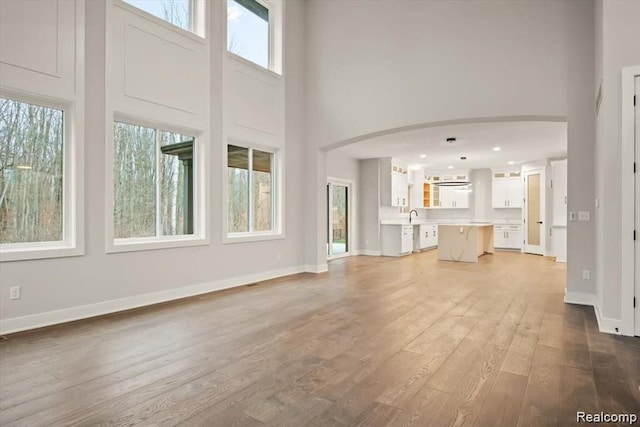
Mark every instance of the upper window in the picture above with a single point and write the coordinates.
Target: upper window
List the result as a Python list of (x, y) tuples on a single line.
[(248, 31), (31, 173), (250, 179), (153, 182), (180, 13)]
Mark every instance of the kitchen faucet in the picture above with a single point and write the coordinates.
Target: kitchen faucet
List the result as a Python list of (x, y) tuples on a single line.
[(410, 212)]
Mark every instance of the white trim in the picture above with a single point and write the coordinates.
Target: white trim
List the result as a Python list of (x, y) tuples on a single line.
[(320, 268), (580, 298), (606, 324), (351, 215), (196, 33), (543, 195), (277, 201), (200, 234), (72, 243), (369, 253), (49, 318), (275, 43), (627, 201)]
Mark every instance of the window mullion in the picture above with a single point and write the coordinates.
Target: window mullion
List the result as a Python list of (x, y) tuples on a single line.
[(158, 153)]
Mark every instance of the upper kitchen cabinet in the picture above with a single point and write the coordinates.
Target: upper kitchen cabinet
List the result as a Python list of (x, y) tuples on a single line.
[(507, 189), (438, 195), (453, 198), (394, 184)]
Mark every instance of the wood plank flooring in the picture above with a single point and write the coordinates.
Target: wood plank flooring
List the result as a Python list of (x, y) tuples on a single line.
[(375, 341)]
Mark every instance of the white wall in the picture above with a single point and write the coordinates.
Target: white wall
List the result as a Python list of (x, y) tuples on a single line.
[(55, 289), (382, 67), (617, 43), (342, 166), (368, 207)]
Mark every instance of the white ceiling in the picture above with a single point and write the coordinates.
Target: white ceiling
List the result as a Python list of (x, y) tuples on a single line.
[(519, 142)]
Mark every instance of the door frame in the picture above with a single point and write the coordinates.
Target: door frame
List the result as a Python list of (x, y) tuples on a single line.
[(630, 286), (543, 192), (351, 208)]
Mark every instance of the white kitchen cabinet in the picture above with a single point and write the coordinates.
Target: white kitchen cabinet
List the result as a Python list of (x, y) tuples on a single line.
[(425, 236), (396, 240), (507, 236), (394, 184), (453, 198), (507, 190), (399, 189), (559, 191)]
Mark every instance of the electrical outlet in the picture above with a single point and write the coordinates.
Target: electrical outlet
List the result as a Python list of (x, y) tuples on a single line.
[(14, 292), (586, 274)]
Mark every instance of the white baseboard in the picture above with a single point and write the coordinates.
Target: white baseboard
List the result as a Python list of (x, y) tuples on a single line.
[(320, 268), (607, 324), (49, 318), (370, 253), (580, 298)]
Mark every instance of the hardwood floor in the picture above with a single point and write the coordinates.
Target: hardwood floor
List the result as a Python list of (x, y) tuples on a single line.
[(376, 341)]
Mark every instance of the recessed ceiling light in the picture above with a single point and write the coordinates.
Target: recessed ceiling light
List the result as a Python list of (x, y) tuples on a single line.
[(496, 148), (422, 156), (451, 140), (511, 162), (449, 167), (463, 158)]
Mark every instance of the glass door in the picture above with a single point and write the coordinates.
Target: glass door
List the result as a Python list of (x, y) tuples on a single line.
[(534, 194), (337, 220)]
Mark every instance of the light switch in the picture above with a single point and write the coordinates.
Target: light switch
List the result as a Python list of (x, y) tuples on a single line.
[(461, 230), (597, 202), (584, 216), (572, 216)]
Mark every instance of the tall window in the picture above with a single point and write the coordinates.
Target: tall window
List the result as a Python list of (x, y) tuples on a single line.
[(248, 30), (153, 182), (250, 180), (180, 13), (31, 173)]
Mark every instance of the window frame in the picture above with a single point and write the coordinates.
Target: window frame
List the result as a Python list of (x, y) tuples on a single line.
[(72, 242), (277, 231), (197, 20), (275, 9), (200, 223)]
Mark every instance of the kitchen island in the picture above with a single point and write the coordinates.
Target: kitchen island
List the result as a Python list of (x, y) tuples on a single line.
[(464, 242)]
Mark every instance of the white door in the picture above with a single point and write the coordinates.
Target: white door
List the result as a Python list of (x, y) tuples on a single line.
[(637, 205), (534, 212)]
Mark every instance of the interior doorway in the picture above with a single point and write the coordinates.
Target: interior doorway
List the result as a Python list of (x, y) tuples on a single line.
[(338, 219), (534, 212)]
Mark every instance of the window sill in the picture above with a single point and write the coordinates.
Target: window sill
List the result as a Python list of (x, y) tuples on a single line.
[(153, 243), (34, 251), (251, 237), (237, 58)]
